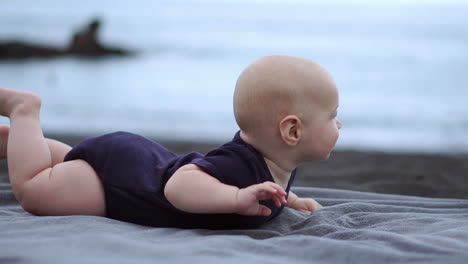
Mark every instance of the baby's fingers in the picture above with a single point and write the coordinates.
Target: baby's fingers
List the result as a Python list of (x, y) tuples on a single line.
[(270, 190), (276, 200), (279, 196), (265, 194), (312, 205), (273, 188), (279, 200), (263, 210)]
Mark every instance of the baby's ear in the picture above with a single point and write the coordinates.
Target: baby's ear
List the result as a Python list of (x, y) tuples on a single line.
[(290, 130)]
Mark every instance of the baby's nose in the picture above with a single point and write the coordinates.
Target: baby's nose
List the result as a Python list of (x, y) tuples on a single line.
[(338, 123)]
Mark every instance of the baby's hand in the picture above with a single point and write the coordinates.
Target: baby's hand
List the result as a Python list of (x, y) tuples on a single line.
[(248, 198), (306, 205)]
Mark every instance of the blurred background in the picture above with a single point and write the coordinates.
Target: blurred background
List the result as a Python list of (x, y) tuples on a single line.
[(401, 66)]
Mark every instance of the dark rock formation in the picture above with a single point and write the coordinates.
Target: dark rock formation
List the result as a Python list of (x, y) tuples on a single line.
[(86, 42), (83, 43), (21, 50)]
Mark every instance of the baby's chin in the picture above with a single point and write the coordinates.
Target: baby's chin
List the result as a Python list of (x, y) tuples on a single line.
[(319, 157), (327, 155)]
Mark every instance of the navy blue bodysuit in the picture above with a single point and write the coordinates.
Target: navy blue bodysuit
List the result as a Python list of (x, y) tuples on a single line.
[(134, 170)]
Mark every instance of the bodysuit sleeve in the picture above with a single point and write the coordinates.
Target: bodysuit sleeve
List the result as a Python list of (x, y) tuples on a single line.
[(230, 165)]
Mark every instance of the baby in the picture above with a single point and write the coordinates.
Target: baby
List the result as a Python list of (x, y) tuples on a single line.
[(286, 109)]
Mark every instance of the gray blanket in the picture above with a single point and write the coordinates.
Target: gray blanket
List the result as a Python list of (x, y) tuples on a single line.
[(353, 227)]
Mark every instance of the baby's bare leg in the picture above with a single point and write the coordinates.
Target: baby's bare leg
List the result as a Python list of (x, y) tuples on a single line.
[(57, 149), (42, 188)]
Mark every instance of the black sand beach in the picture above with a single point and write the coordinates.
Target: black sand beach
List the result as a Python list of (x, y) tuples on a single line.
[(428, 175)]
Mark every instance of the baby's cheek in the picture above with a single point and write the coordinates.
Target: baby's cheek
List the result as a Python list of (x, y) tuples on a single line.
[(332, 138), (337, 135)]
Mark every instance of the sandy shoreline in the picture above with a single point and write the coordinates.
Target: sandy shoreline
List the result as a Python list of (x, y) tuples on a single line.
[(429, 175)]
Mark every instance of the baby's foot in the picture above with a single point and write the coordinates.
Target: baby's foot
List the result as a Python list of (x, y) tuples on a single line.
[(12, 100), (4, 131)]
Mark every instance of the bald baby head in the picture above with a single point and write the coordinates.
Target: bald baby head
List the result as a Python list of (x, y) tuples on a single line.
[(273, 87)]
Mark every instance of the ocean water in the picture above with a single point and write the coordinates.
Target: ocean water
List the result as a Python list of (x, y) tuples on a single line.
[(401, 68)]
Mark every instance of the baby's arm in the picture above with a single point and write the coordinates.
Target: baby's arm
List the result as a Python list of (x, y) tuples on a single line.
[(192, 190), (306, 205)]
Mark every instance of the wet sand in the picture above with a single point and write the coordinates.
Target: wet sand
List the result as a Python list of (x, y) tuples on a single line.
[(428, 175)]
